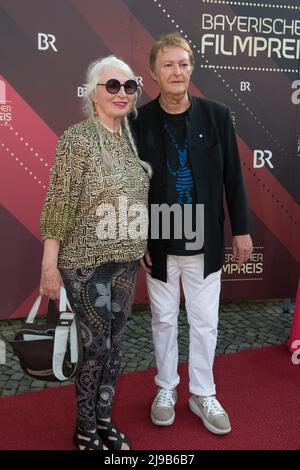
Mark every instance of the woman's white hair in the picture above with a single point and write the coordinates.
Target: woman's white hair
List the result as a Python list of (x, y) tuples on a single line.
[(93, 75)]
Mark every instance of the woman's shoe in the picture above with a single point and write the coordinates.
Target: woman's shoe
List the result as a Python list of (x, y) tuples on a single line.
[(111, 436), (88, 440)]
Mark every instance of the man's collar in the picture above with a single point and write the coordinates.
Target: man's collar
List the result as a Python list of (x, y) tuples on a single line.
[(159, 108)]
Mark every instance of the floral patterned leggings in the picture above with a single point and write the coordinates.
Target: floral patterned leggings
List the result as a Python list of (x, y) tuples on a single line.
[(102, 297)]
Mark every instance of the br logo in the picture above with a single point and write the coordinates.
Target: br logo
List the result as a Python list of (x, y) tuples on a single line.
[(45, 41), (261, 157), (80, 91)]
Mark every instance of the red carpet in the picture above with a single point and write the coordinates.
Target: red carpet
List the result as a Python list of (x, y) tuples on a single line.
[(259, 388)]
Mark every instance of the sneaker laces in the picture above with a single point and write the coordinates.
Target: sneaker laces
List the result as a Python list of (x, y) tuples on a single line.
[(212, 406), (165, 398)]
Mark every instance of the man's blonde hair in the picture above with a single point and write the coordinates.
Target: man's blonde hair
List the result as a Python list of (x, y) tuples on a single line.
[(172, 39)]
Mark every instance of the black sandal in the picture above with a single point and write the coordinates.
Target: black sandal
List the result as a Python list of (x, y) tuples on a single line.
[(111, 436), (92, 441)]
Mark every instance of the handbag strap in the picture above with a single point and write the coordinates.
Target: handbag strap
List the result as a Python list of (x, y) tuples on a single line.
[(34, 310), (67, 325), (63, 304), (63, 300)]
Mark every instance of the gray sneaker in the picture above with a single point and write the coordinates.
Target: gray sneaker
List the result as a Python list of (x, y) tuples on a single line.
[(214, 417), (162, 409)]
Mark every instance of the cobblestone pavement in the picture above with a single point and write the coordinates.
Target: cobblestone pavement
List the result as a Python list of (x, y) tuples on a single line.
[(242, 325)]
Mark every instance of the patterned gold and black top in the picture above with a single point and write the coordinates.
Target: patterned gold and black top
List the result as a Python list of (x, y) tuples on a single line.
[(87, 203)]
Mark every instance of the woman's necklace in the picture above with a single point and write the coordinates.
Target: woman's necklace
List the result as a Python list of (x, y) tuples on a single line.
[(117, 133)]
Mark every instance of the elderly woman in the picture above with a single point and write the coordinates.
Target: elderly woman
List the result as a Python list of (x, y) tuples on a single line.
[(96, 167)]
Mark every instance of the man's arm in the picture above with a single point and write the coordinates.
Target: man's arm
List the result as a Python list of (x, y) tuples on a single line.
[(236, 197)]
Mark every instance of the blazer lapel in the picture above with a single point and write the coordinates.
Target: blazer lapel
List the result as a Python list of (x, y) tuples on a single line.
[(155, 143)]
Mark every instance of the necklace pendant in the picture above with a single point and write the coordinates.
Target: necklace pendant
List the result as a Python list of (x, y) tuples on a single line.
[(182, 154)]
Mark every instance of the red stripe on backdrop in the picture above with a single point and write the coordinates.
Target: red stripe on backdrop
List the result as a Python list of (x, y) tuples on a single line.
[(27, 148)]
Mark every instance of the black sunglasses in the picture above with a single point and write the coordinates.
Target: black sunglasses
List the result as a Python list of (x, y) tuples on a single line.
[(113, 86)]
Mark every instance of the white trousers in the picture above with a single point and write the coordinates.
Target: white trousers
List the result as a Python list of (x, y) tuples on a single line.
[(202, 307)]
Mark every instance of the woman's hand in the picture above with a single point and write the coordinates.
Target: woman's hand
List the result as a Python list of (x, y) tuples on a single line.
[(51, 280), (146, 262)]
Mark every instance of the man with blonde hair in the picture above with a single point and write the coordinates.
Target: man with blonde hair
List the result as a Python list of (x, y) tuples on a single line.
[(192, 147)]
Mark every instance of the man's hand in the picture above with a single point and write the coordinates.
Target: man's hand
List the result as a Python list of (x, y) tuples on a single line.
[(242, 248), (146, 262)]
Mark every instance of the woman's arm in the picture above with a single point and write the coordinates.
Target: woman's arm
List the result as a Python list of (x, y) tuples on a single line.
[(59, 209)]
